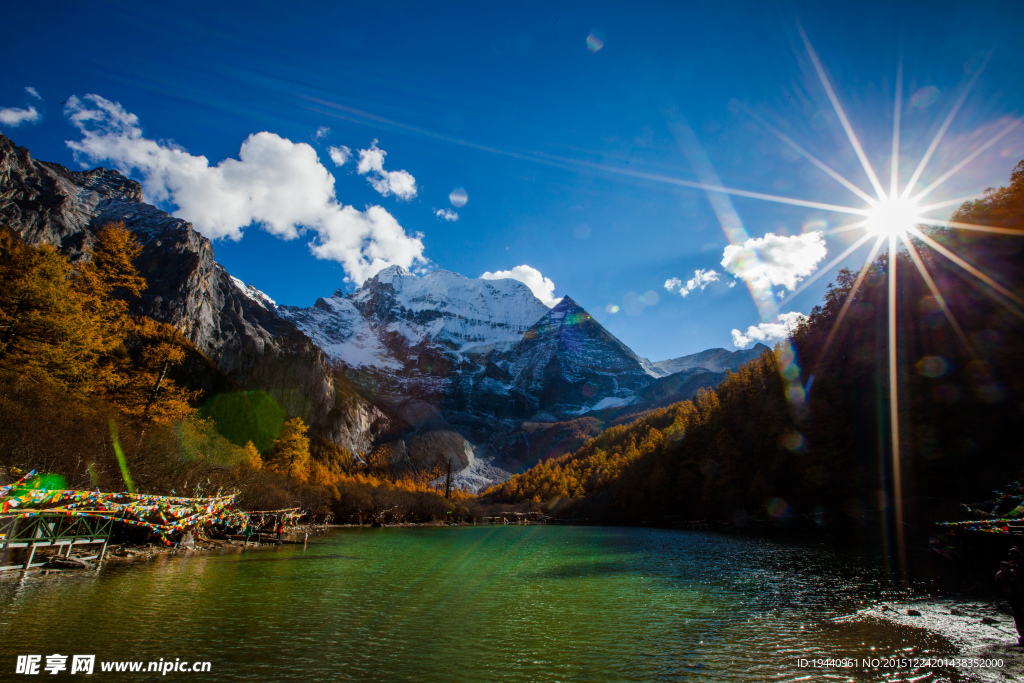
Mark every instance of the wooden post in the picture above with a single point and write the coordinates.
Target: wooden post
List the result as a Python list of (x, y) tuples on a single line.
[(31, 554), (103, 552)]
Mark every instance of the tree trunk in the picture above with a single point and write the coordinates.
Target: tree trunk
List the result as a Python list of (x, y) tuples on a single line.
[(448, 480)]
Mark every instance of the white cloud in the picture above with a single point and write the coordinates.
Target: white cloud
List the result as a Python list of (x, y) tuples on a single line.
[(321, 133), (542, 287), (700, 280), (775, 259), (275, 183), (371, 160), (339, 155), (14, 117), (398, 183), (765, 332), (33, 92), (447, 214)]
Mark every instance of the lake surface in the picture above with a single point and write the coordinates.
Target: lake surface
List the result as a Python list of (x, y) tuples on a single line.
[(492, 603)]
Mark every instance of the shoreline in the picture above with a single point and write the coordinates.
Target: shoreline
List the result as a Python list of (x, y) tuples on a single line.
[(978, 629), (127, 553)]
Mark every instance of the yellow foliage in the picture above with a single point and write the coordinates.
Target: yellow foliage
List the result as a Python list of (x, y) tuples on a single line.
[(199, 440), (251, 457), (600, 461), (47, 331), (290, 454)]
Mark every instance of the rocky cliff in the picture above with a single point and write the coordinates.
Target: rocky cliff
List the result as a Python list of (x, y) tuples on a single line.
[(240, 332)]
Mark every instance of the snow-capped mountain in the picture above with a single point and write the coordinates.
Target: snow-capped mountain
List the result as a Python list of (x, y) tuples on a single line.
[(256, 295), (565, 364), (400, 320), (447, 353), (438, 366)]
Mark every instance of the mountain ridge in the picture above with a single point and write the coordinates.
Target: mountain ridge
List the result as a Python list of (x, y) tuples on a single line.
[(444, 363), (187, 288)]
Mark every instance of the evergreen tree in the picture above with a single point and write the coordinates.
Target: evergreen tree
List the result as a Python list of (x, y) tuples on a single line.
[(137, 379), (290, 454), (46, 330), (252, 458)]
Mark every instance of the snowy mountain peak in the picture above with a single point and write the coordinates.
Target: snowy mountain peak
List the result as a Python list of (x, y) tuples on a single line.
[(567, 303), (399, 315), (254, 294), (565, 312), (389, 275)]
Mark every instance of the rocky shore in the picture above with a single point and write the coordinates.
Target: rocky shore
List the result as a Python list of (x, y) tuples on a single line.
[(980, 630)]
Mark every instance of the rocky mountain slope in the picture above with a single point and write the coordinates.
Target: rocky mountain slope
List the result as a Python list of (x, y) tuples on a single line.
[(486, 362), (231, 324), (478, 372), (565, 364)]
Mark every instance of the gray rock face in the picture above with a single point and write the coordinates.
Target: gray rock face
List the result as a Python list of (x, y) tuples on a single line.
[(435, 447), (243, 335), (565, 364)]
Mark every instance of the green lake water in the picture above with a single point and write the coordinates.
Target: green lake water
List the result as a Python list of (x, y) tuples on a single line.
[(472, 604)]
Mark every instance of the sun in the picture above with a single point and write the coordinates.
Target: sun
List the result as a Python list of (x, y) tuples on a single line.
[(893, 216)]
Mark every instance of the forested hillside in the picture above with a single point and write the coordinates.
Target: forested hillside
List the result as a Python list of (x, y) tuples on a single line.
[(105, 399), (803, 433)]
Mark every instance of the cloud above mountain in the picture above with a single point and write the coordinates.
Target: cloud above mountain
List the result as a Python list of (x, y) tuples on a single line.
[(776, 330), (775, 260), (12, 117), (542, 287), (371, 164), (275, 183)]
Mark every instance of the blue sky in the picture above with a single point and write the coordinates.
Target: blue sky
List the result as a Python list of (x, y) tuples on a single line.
[(568, 150)]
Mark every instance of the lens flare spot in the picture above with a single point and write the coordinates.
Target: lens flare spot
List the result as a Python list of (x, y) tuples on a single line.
[(816, 225), (595, 41), (650, 298), (612, 308), (925, 96), (793, 441), (932, 366), (632, 303), (778, 508), (458, 197), (893, 216), (929, 304)]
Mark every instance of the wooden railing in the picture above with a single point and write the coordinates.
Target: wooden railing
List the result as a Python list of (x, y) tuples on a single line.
[(25, 535)]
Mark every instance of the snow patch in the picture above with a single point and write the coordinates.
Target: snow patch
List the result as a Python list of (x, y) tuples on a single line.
[(256, 295)]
